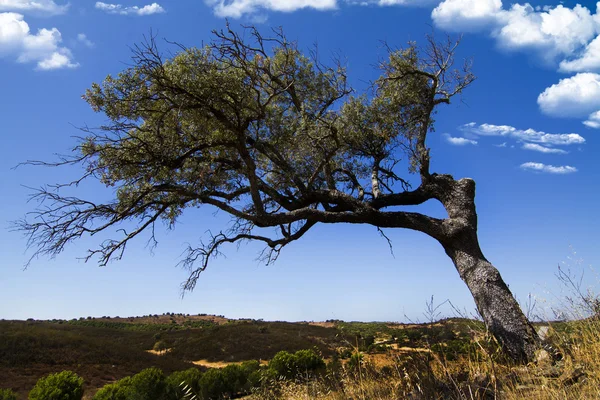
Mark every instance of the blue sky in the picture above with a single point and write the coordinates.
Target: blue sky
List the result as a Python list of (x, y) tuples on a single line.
[(527, 131)]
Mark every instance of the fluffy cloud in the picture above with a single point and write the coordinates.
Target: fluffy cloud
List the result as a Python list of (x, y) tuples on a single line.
[(466, 15), (552, 31), (543, 149), (237, 8), (551, 169), (43, 48), (416, 3), (149, 9), (459, 141), (527, 135), (42, 7), (589, 60), (593, 120), (576, 96), (556, 31)]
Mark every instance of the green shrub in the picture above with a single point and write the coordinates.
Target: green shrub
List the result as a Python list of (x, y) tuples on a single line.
[(114, 391), (177, 381), (149, 384), (7, 394), (292, 365), (66, 385), (308, 360), (212, 384), (355, 361)]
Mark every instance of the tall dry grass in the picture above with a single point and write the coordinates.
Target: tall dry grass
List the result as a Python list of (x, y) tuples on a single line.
[(568, 368)]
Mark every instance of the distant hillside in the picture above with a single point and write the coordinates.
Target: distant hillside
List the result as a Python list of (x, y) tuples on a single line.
[(102, 350)]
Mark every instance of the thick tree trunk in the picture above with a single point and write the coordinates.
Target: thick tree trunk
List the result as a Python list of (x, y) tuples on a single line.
[(500, 311)]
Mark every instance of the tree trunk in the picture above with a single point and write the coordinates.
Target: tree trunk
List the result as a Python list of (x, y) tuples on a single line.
[(500, 311)]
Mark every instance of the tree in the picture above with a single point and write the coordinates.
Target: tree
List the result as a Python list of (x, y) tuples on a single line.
[(64, 385), (276, 139)]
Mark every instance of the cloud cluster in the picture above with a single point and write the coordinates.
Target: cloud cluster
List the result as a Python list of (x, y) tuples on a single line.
[(576, 96), (551, 169), (39, 7), (555, 33), (551, 31), (238, 8), (44, 48), (542, 139), (529, 139), (119, 9)]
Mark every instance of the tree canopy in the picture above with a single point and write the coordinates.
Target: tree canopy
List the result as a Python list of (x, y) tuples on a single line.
[(255, 128), (278, 140)]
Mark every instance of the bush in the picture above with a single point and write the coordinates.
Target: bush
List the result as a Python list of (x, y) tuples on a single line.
[(149, 384), (177, 381), (291, 365), (7, 394), (212, 384), (114, 391), (66, 385)]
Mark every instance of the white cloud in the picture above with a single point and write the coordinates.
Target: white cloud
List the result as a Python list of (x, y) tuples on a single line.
[(43, 48), (589, 60), (556, 31), (593, 120), (149, 9), (543, 149), (238, 8), (551, 169), (576, 96), (41, 7), (527, 135), (82, 38), (550, 31), (415, 3), (466, 15), (458, 141)]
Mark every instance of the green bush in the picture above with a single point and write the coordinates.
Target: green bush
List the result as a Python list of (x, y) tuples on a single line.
[(64, 385), (292, 365), (177, 381), (7, 394), (114, 391), (212, 384), (149, 384)]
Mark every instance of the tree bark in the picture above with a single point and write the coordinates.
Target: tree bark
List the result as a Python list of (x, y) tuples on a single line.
[(500, 311), (497, 306)]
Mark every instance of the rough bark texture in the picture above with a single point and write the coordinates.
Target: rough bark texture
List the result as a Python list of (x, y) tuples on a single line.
[(498, 308)]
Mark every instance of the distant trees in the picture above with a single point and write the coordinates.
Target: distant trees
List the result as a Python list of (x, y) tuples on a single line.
[(251, 126)]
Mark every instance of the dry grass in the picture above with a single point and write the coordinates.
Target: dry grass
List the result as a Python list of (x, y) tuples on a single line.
[(428, 376)]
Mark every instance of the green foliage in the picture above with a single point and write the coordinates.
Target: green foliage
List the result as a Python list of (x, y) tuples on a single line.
[(65, 385), (7, 394), (294, 365), (189, 378), (148, 384), (114, 391), (355, 361), (161, 345), (213, 384)]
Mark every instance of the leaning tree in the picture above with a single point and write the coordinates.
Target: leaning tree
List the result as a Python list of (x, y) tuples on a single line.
[(276, 139)]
